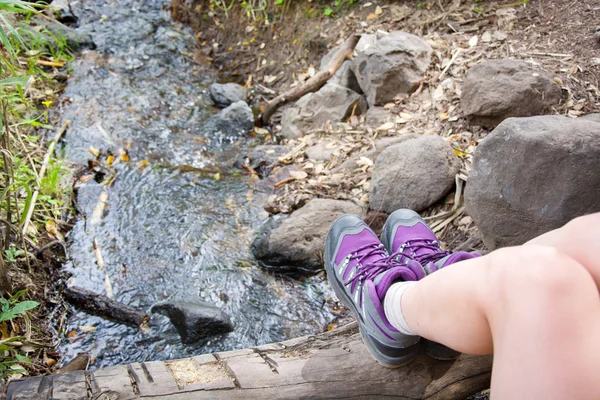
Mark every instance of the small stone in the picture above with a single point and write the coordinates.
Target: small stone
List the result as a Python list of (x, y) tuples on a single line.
[(377, 116), (320, 152), (226, 94), (237, 119), (500, 36)]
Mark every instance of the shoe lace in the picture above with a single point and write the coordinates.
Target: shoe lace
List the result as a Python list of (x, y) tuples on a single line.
[(409, 251), (371, 269)]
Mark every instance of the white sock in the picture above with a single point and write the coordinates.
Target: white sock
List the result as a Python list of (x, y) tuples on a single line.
[(392, 306)]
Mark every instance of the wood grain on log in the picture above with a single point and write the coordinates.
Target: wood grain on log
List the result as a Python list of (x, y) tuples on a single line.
[(104, 307), (314, 83), (335, 364)]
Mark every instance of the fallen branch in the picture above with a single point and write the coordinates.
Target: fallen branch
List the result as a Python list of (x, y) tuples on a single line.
[(42, 173), (314, 83), (104, 307)]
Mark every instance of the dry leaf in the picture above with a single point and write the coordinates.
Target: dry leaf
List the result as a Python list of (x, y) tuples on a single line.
[(4, 330), (473, 41), (87, 328), (142, 164), (364, 161), (386, 127), (298, 175), (95, 152)]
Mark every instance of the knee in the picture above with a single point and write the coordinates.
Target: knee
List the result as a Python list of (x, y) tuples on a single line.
[(538, 271), (580, 225)]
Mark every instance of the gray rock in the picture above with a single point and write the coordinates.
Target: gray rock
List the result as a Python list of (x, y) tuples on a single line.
[(195, 321), (331, 103), (344, 76), (591, 117), (62, 11), (532, 175), (75, 38), (296, 244), (320, 151), (499, 89), (237, 119), (390, 65), (380, 145), (226, 94), (413, 174), (377, 116), (261, 158)]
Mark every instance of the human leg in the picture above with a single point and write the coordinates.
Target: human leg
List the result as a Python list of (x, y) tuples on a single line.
[(535, 308), (578, 239)]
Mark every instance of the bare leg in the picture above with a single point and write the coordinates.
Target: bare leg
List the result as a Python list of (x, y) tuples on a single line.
[(535, 308), (579, 240)]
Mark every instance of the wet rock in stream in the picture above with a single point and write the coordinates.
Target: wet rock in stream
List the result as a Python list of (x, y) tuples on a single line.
[(195, 321), (226, 94), (296, 244), (237, 119)]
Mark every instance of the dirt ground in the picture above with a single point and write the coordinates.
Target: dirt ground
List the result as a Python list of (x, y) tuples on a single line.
[(555, 35)]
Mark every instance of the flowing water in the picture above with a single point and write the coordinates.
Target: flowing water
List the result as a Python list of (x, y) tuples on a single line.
[(168, 231)]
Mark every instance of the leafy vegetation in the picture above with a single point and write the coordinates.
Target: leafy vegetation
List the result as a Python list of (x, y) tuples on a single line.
[(11, 361), (254, 8), (29, 58)]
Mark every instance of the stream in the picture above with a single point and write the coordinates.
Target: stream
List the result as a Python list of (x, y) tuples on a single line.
[(168, 231)]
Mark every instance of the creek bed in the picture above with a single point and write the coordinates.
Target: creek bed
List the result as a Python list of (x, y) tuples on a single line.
[(169, 231)]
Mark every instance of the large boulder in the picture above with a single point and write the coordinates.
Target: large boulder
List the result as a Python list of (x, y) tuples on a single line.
[(499, 89), (413, 174), (237, 119), (195, 321), (344, 76), (390, 65), (296, 244), (532, 175), (226, 94), (331, 103)]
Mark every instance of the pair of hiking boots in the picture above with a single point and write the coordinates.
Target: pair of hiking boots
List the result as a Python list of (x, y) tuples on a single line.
[(361, 269)]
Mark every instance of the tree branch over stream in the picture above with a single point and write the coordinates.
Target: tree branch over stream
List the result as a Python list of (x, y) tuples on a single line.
[(314, 83)]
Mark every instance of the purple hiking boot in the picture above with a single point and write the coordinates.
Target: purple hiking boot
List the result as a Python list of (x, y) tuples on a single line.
[(361, 272), (408, 238)]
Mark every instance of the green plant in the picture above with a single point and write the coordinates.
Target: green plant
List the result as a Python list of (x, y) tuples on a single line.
[(10, 359), (11, 254)]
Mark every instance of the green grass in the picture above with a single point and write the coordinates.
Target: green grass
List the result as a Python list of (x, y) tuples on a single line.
[(29, 59)]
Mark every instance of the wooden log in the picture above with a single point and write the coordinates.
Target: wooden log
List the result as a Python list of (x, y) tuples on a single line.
[(314, 83), (104, 307), (335, 364)]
